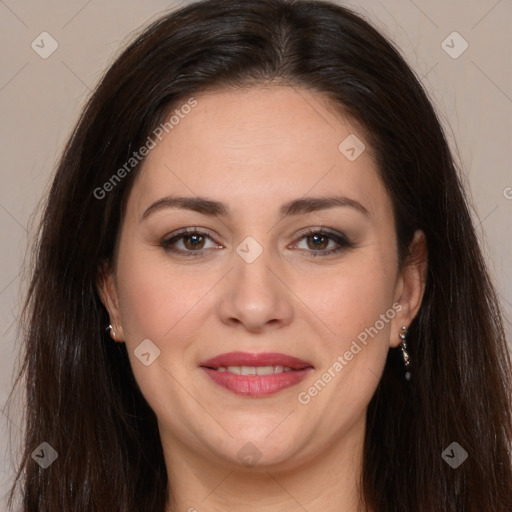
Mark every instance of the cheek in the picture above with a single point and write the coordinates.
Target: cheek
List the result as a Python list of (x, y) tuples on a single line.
[(144, 295), (360, 313), (158, 303), (353, 297), (356, 303), (155, 296)]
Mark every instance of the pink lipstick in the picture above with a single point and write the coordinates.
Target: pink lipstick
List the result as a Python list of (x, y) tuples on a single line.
[(256, 375)]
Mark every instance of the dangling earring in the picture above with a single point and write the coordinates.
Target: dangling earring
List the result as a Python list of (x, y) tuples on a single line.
[(403, 336), (112, 332)]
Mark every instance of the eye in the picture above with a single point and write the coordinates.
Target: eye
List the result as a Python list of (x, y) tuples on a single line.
[(192, 242), (318, 240)]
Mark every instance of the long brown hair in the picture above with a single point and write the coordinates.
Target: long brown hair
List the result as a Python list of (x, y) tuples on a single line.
[(81, 396)]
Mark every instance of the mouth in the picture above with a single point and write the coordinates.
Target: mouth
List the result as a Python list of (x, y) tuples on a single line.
[(256, 375)]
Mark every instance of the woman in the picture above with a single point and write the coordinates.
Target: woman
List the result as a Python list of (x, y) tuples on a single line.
[(258, 287)]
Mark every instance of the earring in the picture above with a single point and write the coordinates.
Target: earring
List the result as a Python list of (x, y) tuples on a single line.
[(112, 332), (403, 336)]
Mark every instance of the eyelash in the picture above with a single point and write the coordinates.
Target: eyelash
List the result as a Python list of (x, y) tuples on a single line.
[(340, 239)]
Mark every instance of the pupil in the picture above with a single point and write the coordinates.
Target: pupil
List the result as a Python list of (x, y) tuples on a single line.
[(318, 238), (193, 241)]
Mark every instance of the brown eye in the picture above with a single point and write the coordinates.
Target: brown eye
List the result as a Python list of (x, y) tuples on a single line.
[(189, 242), (192, 242), (320, 242), (317, 241)]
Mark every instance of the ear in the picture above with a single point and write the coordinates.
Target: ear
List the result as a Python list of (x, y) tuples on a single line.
[(410, 286), (107, 291)]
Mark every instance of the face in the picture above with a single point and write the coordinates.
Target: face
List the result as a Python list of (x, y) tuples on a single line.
[(262, 331)]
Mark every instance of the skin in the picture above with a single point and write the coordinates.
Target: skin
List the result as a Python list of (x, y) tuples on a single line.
[(255, 150)]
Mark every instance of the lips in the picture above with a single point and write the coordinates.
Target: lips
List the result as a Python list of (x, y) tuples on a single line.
[(256, 375), (250, 359)]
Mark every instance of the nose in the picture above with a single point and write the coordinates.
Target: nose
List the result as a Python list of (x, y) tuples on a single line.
[(255, 296)]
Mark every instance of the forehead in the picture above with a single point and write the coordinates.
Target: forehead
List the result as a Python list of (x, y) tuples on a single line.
[(259, 144)]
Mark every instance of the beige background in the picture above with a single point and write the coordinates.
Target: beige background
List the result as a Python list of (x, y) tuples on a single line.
[(40, 100)]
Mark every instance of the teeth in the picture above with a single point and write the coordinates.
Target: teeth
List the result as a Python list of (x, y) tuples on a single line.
[(265, 370), (254, 370)]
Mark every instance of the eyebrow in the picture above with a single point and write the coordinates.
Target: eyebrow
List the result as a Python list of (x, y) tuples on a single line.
[(217, 209)]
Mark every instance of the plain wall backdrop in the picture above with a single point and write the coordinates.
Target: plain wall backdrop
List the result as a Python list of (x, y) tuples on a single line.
[(467, 74)]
